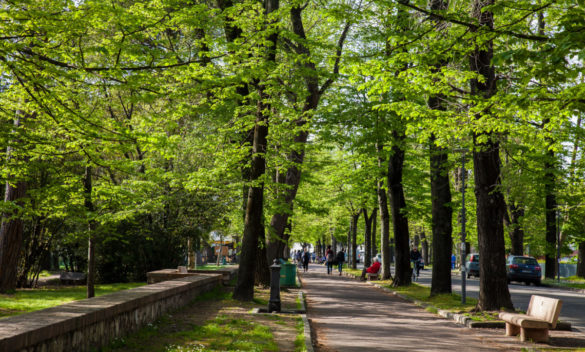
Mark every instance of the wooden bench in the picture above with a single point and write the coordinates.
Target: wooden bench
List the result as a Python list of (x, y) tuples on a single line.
[(542, 315), (373, 276), (72, 278)]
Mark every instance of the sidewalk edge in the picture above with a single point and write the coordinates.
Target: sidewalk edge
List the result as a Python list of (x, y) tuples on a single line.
[(306, 324)]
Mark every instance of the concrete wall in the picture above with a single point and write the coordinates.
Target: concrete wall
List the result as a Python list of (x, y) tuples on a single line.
[(169, 274), (91, 323)]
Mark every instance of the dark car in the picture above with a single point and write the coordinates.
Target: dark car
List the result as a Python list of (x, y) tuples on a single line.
[(472, 265), (523, 269)]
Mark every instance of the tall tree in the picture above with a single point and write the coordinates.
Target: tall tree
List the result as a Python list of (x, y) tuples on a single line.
[(254, 220), (493, 292)]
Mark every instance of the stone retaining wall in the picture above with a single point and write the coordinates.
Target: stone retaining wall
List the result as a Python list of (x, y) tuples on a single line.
[(91, 323), (170, 274)]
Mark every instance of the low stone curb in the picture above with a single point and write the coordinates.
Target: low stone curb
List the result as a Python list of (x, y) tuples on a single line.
[(306, 324)]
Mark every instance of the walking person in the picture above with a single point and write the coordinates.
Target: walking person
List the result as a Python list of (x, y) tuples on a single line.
[(305, 259), (415, 259), (329, 257), (340, 259)]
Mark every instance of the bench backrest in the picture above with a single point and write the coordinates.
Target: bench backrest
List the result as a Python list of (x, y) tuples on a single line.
[(545, 308)]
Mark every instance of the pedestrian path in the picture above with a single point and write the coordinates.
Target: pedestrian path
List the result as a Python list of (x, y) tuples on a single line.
[(348, 315)]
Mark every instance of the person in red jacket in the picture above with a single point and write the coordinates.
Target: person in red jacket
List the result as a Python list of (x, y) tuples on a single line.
[(374, 268)]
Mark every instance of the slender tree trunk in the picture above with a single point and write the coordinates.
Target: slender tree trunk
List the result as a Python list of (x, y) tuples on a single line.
[(296, 156), (442, 213), (88, 203), (354, 221), (11, 230), (581, 260), (425, 248), (516, 231), (493, 289), (374, 217), (399, 216), (368, 237), (550, 201), (254, 223), (442, 217), (384, 219)]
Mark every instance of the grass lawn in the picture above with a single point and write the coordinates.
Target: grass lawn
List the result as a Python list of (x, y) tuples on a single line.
[(213, 267), (28, 300), (216, 322), (573, 281)]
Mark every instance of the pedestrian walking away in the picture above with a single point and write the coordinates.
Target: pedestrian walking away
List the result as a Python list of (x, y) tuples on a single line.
[(340, 258), (330, 257), (306, 258)]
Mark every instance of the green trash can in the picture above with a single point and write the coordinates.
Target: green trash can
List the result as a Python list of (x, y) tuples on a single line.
[(288, 274)]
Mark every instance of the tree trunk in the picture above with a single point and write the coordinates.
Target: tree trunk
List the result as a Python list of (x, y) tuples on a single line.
[(313, 95), (254, 219), (368, 237), (581, 260), (398, 207), (88, 203), (374, 229), (262, 265), (384, 219), (11, 230), (442, 215), (550, 201), (254, 223), (493, 289), (354, 222), (425, 248), (515, 229)]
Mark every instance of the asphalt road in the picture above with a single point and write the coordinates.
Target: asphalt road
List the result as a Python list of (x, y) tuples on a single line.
[(573, 310)]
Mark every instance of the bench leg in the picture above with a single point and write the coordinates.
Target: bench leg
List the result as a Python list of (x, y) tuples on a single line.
[(512, 330), (536, 335)]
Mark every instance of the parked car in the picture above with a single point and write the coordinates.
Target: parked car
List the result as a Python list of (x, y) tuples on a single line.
[(523, 269), (472, 265)]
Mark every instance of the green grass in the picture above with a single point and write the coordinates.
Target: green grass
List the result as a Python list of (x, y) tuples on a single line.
[(223, 333), (451, 302), (300, 339), (28, 300), (212, 267), (573, 282), (220, 334)]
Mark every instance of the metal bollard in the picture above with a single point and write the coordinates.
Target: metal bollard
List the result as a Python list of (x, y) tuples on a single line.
[(274, 302)]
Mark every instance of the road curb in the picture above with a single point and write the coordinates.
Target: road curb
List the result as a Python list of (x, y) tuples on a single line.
[(306, 323)]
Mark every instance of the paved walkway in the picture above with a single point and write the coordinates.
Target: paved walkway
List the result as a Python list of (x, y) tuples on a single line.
[(349, 315)]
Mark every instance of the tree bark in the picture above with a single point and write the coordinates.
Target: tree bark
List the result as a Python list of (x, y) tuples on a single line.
[(581, 260), (254, 219), (515, 230), (425, 248), (88, 203), (550, 201), (493, 289), (398, 207), (374, 229), (368, 237), (11, 230), (296, 156), (442, 215), (354, 221), (384, 218)]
